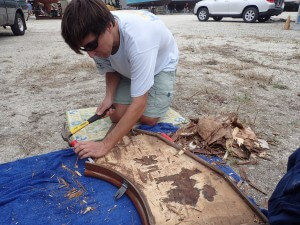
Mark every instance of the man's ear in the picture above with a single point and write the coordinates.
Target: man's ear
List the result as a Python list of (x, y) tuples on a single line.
[(110, 26)]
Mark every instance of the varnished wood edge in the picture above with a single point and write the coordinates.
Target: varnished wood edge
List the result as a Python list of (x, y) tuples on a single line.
[(114, 177)]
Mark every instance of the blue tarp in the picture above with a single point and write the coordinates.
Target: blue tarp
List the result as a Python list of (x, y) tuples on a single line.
[(160, 128), (31, 194), (221, 165)]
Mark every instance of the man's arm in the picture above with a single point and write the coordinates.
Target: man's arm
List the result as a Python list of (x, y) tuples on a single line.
[(131, 116), (128, 120), (112, 81)]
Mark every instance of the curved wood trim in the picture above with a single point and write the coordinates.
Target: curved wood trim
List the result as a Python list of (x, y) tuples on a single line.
[(116, 178)]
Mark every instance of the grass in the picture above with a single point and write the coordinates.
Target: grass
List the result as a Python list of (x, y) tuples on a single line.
[(6, 61), (230, 67), (223, 50), (54, 68), (212, 62), (255, 63), (54, 74), (257, 76), (188, 36), (280, 86), (244, 99), (242, 71), (188, 49), (263, 39)]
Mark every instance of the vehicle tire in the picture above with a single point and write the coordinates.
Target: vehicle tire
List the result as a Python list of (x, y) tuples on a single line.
[(203, 14), (264, 19), (250, 15), (19, 26), (218, 18)]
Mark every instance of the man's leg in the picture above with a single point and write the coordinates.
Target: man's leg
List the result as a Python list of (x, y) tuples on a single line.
[(159, 99), (122, 99), (148, 120), (119, 112)]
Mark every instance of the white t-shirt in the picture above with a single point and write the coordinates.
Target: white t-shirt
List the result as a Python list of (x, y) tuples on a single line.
[(146, 48)]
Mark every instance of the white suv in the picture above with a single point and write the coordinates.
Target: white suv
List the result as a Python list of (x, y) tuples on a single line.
[(249, 10)]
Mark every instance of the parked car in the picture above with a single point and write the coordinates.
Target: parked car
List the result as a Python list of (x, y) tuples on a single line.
[(291, 5), (13, 14), (249, 10)]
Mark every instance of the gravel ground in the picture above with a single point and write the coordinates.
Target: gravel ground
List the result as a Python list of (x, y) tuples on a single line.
[(227, 66)]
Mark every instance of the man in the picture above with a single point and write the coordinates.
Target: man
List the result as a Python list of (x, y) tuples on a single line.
[(137, 54)]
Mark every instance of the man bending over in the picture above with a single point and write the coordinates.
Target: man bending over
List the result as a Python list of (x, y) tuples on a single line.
[(137, 54)]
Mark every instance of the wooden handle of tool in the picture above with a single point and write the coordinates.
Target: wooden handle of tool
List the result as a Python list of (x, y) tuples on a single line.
[(98, 117)]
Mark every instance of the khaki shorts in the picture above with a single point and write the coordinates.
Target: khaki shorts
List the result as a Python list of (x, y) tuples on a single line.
[(160, 94)]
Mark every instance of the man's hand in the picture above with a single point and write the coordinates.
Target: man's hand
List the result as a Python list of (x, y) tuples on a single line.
[(93, 149), (107, 102), (112, 81)]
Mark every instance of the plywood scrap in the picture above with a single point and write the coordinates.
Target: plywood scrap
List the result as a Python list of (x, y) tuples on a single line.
[(79, 184), (126, 141), (114, 207), (76, 163), (244, 176), (235, 150), (186, 131), (73, 193), (263, 144), (63, 183), (68, 169), (247, 162), (87, 209), (212, 130), (264, 155), (77, 172), (221, 135)]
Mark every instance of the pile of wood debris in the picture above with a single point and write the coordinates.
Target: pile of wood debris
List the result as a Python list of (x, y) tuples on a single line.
[(74, 192), (222, 136)]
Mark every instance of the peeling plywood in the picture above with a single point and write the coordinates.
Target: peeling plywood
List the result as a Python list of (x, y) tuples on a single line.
[(184, 191), (178, 189)]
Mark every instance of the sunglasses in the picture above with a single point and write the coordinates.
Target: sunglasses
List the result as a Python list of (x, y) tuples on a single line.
[(91, 46)]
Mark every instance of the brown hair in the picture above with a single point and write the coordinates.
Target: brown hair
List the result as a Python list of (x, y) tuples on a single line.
[(83, 17)]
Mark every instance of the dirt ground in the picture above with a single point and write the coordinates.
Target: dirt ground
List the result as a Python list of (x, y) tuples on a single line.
[(227, 66)]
